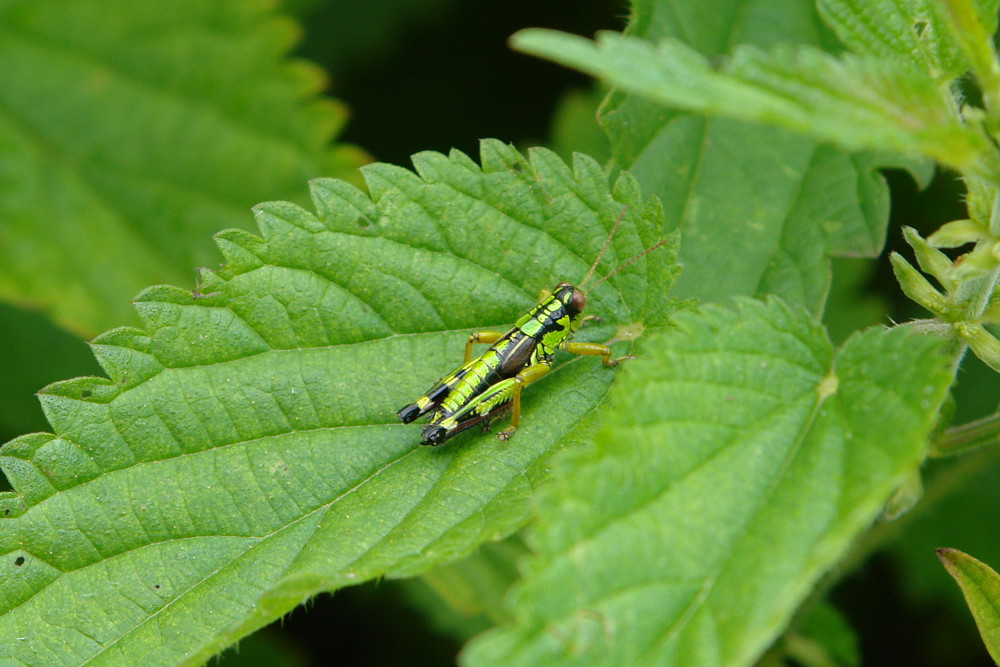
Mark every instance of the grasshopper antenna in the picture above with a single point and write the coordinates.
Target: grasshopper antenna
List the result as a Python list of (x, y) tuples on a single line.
[(622, 266), (607, 242)]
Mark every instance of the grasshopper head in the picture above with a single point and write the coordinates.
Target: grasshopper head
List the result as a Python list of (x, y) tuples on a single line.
[(572, 298)]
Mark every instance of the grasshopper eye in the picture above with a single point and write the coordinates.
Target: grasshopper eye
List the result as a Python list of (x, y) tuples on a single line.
[(578, 300)]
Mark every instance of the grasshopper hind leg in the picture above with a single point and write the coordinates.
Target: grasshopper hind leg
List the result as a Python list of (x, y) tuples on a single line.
[(409, 413), (434, 435), (495, 416), (523, 379), (424, 404)]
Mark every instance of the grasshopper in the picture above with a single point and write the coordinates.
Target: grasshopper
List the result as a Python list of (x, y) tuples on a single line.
[(483, 387)]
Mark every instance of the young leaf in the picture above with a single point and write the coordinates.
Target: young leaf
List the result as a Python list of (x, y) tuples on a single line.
[(980, 585), (785, 200), (737, 465), (132, 131), (245, 453), (917, 287)]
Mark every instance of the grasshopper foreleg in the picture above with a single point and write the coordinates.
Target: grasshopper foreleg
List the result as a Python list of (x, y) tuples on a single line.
[(487, 337)]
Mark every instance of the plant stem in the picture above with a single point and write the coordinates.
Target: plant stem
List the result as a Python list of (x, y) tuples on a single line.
[(967, 437)]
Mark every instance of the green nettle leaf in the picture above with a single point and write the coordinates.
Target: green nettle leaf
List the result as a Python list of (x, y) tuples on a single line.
[(245, 453), (739, 461), (911, 32), (132, 131), (857, 103), (980, 585), (787, 201)]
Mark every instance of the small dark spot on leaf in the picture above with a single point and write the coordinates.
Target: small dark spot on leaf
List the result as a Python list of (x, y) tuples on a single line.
[(156, 587), (19, 561), (6, 512), (517, 166), (364, 222), (86, 393)]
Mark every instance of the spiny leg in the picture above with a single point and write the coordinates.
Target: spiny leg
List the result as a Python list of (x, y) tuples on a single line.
[(595, 350), (521, 380), (487, 337)]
